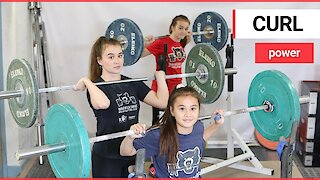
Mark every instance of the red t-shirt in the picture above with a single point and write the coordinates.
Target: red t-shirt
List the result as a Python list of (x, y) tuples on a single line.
[(174, 58)]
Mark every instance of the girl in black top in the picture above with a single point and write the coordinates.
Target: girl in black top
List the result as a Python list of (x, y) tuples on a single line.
[(116, 106)]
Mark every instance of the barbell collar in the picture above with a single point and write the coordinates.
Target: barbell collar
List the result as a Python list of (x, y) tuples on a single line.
[(302, 100), (230, 71)]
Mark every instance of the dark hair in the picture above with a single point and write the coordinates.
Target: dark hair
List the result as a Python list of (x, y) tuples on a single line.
[(174, 23), (169, 143), (96, 52)]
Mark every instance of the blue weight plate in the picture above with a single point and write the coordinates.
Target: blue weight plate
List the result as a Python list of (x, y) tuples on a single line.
[(204, 58), (130, 36), (20, 77), (275, 87), (211, 21), (63, 124)]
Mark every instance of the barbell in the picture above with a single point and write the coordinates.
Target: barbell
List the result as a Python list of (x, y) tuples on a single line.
[(208, 27), (276, 105), (204, 68)]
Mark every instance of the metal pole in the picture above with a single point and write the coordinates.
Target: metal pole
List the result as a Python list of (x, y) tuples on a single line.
[(39, 125)]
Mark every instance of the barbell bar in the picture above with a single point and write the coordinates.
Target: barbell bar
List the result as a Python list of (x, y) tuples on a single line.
[(266, 107), (19, 93), (209, 28), (52, 148), (204, 71), (192, 33)]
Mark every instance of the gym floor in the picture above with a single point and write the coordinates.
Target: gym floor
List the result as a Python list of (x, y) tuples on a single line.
[(33, 169)]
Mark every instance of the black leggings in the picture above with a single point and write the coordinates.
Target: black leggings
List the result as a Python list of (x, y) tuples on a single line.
[(103, 167)]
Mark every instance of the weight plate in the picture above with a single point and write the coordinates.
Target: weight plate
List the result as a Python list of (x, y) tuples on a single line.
[(204, 58), (63, 124), (276, 88), (208, 22), (271, 145), (130, 37), (20, 77)]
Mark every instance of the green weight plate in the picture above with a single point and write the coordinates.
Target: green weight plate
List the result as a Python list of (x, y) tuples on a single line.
[(275, 87), (205, 58), (20, 77), (63, 124)]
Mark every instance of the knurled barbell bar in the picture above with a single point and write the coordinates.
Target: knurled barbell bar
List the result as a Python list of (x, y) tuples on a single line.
[(273, 106), (204, 68), (209, 27), (124, 41)]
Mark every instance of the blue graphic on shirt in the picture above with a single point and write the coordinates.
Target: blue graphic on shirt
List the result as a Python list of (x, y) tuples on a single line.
[(187, 161)]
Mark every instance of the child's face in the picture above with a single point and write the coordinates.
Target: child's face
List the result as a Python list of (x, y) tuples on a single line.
[(181, 29), (186, 112), (112, 59)]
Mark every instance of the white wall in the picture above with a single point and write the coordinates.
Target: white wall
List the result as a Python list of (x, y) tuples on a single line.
[(16, 43), (72, 28)]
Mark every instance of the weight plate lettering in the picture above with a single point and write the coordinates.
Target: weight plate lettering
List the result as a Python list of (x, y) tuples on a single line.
[(204, 58), (215, 24), (20, 77), (130, 37), (274, 87)]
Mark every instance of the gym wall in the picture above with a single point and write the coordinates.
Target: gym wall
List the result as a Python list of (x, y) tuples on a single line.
[(72, 28)]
